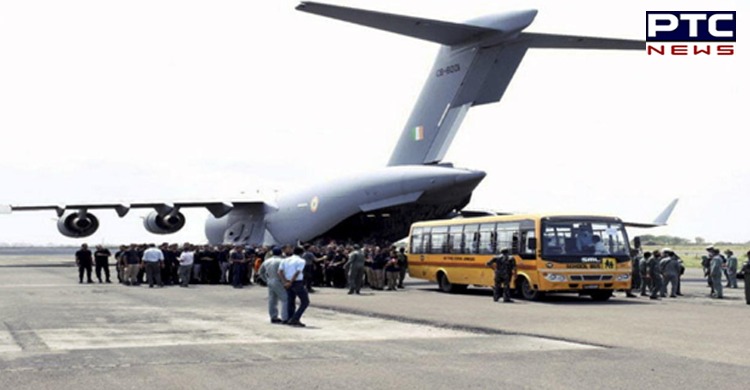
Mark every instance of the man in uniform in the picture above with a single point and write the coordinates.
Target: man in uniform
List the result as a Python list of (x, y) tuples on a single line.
[(356, 269), (269, 273), (83, 261), (101, 259), (636, 270), (731, 269), (670, 268), (643, 269), (716, 266), (403, 265), (654, 274), (504, 266)]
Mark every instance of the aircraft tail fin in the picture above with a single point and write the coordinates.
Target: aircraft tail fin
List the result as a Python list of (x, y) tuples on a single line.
[(474, 66), (660, 220)]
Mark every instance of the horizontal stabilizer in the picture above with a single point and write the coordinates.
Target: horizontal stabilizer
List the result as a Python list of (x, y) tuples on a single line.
[(445, 33), (556, 41), (660, 220)]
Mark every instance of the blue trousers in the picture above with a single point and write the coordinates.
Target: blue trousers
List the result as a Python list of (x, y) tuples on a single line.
[(297, 289)]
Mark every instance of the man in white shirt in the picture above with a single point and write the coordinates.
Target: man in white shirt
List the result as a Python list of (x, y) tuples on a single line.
[(153, 259), (291, 273), (186, 259)]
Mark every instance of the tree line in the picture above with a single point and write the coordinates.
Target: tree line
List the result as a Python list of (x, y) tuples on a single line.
[(650, 239)]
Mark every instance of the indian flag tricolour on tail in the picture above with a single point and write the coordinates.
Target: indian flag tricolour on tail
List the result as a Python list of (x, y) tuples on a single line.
[(418, 133)]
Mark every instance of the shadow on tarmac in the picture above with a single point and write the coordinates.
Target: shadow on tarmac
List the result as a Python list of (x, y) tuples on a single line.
[(557, 299)]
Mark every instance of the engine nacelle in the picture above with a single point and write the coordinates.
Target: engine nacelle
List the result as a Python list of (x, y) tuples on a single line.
[(166, 224), (77, 225)]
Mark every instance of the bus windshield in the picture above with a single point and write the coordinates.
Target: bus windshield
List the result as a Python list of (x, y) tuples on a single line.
[(574, 239)]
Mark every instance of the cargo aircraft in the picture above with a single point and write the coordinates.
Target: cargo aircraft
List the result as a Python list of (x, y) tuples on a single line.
[(474, 66)]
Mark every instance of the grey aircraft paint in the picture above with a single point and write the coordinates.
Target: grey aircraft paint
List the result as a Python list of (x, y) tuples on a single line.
[(474, 66)]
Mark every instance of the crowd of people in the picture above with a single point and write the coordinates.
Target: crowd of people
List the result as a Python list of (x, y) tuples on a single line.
[(332, 265), (655, 271)]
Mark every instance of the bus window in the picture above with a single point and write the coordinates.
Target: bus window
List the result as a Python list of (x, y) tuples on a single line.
[(528, 244), (487, 238), (416, 241), (471, 239), (439, 242), (456, 239), (504, 235), (557, 239)]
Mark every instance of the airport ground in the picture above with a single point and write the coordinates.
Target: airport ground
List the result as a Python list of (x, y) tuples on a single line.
[(58, 334)]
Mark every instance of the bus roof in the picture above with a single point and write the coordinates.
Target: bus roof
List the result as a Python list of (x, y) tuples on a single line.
[(515, 217)]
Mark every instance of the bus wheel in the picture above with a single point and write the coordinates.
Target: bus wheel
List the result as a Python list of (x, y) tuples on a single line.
[(444, 284), (527, 292), (601, 296)]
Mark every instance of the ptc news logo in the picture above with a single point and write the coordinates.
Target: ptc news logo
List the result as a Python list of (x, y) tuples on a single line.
[(684, 33)]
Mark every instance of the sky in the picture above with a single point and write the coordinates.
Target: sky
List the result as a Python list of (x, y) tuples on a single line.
[(194, 100)]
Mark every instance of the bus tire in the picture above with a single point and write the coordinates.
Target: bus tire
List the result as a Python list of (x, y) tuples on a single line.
[(446, 286), (601, 296), (527, 292)]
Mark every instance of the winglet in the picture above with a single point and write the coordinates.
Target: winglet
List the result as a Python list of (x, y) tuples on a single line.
[(661, 219), (5, 209)]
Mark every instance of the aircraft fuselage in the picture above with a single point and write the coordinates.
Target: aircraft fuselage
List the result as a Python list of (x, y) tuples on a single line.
[(361, 202)]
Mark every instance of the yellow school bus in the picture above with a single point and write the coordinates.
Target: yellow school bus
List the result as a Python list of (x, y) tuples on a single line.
[(582, 254)]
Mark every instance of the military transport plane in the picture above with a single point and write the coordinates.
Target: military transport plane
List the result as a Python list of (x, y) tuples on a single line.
[(474, 66)]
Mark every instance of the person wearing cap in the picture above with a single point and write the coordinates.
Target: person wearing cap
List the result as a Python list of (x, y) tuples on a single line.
[(670, 267), (716, 265), (504, 266), (269, 274), (731, 270), (355, 266)]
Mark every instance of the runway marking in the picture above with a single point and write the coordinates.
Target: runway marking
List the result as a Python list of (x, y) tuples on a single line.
[(194, 327), (7, 343), (25, 337)]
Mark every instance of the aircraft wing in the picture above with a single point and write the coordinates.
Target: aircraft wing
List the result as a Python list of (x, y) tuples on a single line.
[(660, 220), (217, 208)]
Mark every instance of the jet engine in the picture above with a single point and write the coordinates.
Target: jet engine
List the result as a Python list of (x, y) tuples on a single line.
[(164, 224), (77, 224)]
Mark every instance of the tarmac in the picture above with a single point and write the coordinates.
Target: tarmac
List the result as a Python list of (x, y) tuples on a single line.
[(59, 334)]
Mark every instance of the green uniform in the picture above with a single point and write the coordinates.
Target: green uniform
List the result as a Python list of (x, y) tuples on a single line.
[(504, 266)]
